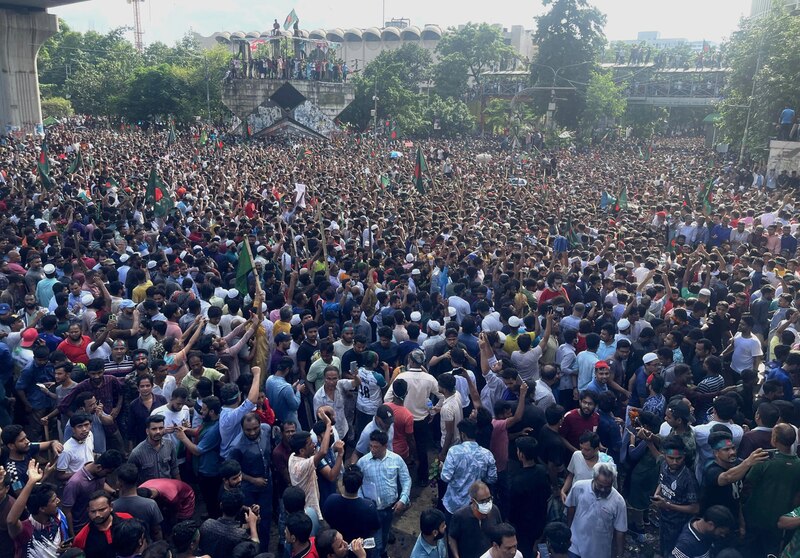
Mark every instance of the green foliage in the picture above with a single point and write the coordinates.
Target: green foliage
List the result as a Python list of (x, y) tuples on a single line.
[(394, 77), (453, 114), (100, 74), (604, 100), (570, 39), (57, 107), (464, 54), (644, 119), (761, 51)]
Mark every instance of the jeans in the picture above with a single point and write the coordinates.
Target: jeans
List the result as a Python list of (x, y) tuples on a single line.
[(385, 517), (264, 500)]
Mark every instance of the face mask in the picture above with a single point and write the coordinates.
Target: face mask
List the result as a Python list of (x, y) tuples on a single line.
[(485, 507), (438, 536)]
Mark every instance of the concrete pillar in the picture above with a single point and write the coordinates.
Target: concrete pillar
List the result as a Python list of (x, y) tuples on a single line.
[(22, 32)]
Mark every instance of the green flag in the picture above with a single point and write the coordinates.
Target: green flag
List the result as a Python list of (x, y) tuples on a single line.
[(77, 163), (290, 20), (420, 166), (203, 138), (385, 182), (156, 195), (706, 198), (244, 267), (622, 199), (172, 137), (43, 166), (572, 234)]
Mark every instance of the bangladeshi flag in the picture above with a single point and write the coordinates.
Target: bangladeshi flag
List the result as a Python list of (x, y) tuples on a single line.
[(420, 167), (156, 195), (43, 167)]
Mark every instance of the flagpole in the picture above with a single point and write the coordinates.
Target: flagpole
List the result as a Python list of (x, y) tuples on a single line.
[(250, 255)]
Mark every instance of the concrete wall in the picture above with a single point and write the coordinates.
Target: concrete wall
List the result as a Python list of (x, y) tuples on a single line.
[(244, 96), (22, 32), (784, 155)]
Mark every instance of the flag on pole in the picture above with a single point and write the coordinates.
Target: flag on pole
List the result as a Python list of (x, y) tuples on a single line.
[(572, 234), (77, 163), (43, 166), (244, 267), (420, 167), (707, 198), (384, 181), (172, 137), (156, 195), (291, 19), (622, 199)]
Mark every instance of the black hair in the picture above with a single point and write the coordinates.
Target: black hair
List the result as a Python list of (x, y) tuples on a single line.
[(231, 502), (294, 499), (127, 535), (430, 520), (299, 526)]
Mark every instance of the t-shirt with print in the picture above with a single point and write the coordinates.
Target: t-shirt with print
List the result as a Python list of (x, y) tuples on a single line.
[(369, 392)]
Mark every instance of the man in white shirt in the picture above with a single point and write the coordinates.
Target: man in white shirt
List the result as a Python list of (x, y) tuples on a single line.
[(176, 414), (421, 386), (78, 450), (504, 543)]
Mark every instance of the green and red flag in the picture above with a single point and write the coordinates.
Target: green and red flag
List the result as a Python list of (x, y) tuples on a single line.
[(420, 166), (43, 167), (290, 20), (622, 199), (77, 163), (157, 195)]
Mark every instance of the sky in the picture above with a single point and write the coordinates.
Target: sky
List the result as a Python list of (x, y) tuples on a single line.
[(169, 20)]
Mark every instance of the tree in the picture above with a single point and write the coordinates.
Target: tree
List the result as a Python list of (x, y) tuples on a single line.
[(394, 77), (604, 100), (57, 107), (453, 116), (644, 119), (570, 39), (465, 53), (763, 61), (159, 91)]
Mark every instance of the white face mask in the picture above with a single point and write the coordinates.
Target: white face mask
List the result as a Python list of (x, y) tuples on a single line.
[(485, 507)]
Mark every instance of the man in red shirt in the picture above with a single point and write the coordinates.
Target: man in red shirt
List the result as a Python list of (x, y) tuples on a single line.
[(95, 537), (75, 345), (580, 420), (403, 442), (175, 498)]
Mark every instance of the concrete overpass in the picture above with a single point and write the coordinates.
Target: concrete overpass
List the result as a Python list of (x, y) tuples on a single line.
[(24, 26)]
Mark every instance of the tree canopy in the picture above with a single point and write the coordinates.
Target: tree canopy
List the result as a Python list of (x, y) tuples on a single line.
[(761, 52), (570, 41), (104, 75)]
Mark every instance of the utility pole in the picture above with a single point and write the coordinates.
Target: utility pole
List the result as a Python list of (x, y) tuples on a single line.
[(208, 94)]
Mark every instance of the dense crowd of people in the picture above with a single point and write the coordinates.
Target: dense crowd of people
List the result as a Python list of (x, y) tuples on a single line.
[(285, 356)]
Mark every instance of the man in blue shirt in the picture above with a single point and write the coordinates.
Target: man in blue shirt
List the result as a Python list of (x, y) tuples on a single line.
[(466, 463), (206, 460), (383, 471), (234, 409), (602, 373), (284, 398), (252, 449), (431, 540), (786, 121), (35, 402)]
